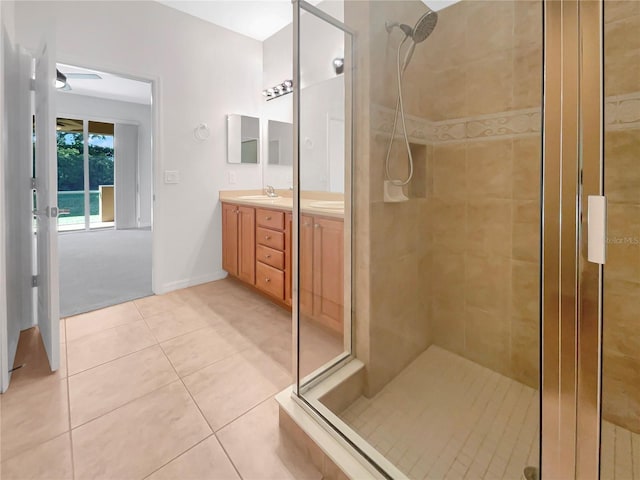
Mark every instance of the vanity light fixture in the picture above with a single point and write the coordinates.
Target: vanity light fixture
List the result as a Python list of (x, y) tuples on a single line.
[(278, 90)]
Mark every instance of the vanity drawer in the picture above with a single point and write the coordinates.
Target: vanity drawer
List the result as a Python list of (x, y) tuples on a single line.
[(270, 280), (272, 257), (270, 218), (270, 238)]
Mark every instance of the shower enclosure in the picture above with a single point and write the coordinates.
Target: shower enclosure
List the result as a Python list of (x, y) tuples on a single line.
[(484, 307)]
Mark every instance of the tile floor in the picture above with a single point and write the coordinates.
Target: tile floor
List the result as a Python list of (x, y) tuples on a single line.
[(461, 420), (464, 421), (178, 386)]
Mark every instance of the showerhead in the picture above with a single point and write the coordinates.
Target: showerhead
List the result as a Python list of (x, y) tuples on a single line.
[(424, 26)]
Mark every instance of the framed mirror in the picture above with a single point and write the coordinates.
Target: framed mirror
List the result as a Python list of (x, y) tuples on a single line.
[(280, 139), (243, 139)]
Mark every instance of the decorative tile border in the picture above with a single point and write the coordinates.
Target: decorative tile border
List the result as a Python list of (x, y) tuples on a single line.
[(501, 125), (621, 112)]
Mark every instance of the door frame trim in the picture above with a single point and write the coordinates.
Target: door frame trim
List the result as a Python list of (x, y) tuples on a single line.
[(590, 292)]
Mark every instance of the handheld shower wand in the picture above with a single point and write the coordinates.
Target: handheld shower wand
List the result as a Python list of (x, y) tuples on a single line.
[(423, 28)]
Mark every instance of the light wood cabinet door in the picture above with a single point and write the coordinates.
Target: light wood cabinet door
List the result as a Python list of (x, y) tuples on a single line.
[(305, 273), (247, 244), (288, 245), (230, 238), (328, 272)]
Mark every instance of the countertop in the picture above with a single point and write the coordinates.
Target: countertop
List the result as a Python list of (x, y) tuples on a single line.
[(308, 204)]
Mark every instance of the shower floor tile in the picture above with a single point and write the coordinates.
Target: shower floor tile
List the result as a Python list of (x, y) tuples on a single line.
[(446, 417)]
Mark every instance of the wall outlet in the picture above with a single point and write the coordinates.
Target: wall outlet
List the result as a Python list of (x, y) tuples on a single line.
[(233, 178), (171, 176)]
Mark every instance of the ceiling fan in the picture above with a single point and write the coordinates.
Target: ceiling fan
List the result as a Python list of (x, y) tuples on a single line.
[(62, 79)]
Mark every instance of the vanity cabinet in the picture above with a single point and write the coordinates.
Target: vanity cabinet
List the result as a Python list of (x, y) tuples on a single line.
[(238, 241), (322, 270), (270, 252), (257, 249)]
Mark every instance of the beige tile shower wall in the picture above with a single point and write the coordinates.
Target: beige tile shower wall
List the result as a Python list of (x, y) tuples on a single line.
[(485, 58), (621, 342), (457, 265), (391, 318)]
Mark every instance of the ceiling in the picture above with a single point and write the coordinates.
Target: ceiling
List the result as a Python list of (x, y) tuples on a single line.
[(108, 86), (257, 19)]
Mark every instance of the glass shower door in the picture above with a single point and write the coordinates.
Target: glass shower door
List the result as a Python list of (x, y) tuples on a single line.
[(620, 443), (434, 371), (324, 190)]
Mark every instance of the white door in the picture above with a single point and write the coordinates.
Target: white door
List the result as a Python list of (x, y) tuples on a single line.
[(18, 198), (46, 164)]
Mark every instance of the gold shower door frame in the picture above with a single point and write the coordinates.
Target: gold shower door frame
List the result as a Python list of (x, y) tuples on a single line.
[(571, 287)]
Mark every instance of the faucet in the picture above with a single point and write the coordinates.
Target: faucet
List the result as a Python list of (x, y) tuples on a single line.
[(270, 191)]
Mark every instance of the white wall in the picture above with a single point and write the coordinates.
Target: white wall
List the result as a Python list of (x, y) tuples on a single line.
[(100, 109), (322, 94), (201, 73), (277, 66)]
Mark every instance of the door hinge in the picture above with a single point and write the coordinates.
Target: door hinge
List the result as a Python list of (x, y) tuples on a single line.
[(33, 183), (34, 280)]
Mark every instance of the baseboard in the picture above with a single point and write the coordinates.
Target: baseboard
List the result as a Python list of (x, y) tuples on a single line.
[(191, 282)]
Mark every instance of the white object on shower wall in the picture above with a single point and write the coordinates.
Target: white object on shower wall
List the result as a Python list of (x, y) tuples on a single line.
[(393, 193)]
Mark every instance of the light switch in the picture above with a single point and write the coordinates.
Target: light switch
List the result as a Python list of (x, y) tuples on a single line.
[(233, 179), (171, 176)]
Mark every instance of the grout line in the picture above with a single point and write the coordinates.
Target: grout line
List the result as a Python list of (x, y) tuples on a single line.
[(271, 397), (111, 360), (213, 431), (66, 361), (179, 335), (128, 401), (179, 455)]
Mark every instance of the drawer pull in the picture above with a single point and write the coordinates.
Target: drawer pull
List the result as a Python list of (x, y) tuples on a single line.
[(267, 256), (267, 279), (317, 225), (267, 237), (268, 218)]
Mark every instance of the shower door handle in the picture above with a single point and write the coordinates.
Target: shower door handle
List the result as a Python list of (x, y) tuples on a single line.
[(597, 229)]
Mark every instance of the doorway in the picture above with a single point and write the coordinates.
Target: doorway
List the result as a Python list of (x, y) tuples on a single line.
[(104, 189)]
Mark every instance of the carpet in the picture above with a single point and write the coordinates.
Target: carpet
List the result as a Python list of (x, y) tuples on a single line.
[(103, 268)]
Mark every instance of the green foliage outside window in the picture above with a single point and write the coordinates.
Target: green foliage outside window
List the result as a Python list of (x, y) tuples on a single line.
[(70, 163)]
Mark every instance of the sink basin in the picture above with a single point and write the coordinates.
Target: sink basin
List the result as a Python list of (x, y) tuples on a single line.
[(257, 197), (328, 204)]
